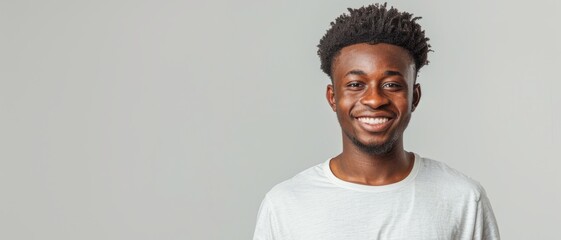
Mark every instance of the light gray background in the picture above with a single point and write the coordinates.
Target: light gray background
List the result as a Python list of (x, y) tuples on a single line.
[(172, 119)]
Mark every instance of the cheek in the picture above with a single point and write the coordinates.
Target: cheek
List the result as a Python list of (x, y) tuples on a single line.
[(348, 98), (344, 105), (402, 101)]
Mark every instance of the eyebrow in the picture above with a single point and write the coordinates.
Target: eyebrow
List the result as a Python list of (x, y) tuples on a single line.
[(362, 73), (356, 72), (392, 73)]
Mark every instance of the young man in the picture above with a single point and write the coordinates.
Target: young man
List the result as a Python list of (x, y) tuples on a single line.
[(375, 189)]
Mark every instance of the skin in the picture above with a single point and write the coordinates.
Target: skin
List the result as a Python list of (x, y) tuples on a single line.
[(373, 81)]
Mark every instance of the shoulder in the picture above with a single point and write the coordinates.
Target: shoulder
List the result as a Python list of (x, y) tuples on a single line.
[(303, 183), (448, 180)]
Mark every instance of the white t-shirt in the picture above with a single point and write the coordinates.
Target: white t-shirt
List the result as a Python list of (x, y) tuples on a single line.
[(433, 202)]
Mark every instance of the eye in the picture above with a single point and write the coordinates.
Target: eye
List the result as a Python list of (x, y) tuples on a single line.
[(355, 85), (392, 85)]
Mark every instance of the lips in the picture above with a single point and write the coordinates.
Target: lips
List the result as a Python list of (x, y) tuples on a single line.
[(374, 123)]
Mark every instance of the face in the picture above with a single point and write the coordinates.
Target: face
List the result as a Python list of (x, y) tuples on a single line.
[(373, 93)]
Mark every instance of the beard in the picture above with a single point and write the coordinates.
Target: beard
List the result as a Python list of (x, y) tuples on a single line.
[(374, 149)]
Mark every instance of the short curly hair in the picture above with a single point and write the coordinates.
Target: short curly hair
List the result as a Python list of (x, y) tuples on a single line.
[(374, 24)]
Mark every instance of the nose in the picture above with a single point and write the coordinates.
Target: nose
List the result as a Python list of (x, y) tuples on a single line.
[(374, 98)]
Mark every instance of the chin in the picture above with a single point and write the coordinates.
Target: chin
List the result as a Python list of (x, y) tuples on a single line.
[(374, 148)]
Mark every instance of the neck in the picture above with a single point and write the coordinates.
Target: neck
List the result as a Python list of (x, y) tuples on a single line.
[(355, 165)]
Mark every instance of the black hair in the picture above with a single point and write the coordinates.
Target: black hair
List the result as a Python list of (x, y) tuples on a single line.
[(374, 24)]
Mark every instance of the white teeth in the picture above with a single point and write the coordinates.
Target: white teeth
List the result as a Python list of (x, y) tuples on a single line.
[(370, 120)]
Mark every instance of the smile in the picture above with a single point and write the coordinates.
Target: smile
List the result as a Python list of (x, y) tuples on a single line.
[(374, 124), (372, 120)]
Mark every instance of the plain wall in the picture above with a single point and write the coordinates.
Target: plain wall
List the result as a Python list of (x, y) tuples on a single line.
[(172, 119)]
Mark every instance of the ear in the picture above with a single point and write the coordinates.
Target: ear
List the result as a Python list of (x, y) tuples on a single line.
[(416, 96), (330, 95)]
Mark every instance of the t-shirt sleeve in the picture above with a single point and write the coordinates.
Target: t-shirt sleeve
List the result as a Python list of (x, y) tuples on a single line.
[(485, 226), (266, 222)]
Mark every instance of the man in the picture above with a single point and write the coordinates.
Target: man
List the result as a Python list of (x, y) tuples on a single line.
[(375, 189)]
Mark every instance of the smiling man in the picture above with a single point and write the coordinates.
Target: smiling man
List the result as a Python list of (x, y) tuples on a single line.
[(374, 189)]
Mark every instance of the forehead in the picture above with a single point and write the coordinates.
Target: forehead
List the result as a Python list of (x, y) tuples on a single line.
[(373, 58)]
